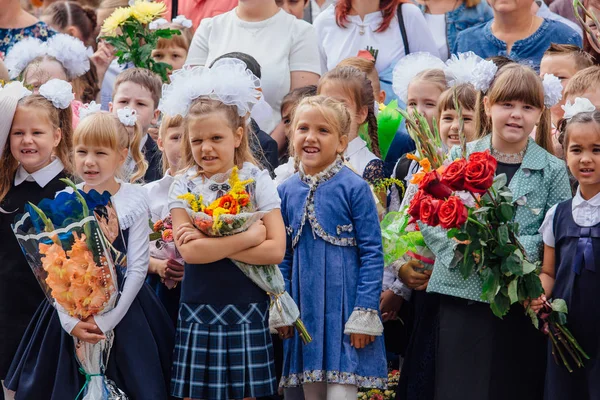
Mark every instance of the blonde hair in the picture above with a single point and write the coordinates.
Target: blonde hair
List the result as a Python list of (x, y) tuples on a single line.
[(366, 66), (358, 86), (182, 41), (104, 129), (167, 123), (582, 81), (60, 119), (39, 60), (515, 82), (335, 113), (203, 106), (434, 76)]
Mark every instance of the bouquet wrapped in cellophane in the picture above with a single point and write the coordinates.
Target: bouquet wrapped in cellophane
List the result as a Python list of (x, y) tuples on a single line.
[(162, 245), (234, 213), (64, 244)]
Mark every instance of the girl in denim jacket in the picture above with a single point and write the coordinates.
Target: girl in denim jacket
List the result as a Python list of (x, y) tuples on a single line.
[(334, 262)]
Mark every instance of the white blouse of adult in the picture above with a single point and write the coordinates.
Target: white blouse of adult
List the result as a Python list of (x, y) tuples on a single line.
[(336, 43), (281, 44)]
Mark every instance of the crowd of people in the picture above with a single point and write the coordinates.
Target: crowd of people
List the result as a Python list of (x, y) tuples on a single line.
[(285, 96)]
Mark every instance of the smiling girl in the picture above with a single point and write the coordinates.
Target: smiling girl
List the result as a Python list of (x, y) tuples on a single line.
[(35, 155)]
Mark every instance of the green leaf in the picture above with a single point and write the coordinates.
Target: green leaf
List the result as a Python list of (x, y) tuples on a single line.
[(528, 267), (504, 251), (499, 181), (490, 284), (532, 286), (462, 236), (559, 305), (534, 318), (467, 265), (505, 212), (500, 305), (512, 291), (481, 210), (512, 265), (453, 232), (503, 234)]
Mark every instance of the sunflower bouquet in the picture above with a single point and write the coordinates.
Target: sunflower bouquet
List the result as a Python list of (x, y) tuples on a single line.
[(65, 244), (134, 32), (234, 212)]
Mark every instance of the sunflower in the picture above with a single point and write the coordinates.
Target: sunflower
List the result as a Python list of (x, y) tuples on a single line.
[(116, 19), (146, 12)]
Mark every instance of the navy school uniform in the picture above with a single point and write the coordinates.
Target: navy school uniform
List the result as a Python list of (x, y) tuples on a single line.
[(153, 156)]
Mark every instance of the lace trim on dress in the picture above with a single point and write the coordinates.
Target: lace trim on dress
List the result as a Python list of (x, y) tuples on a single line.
[(374, 171), (309, 209), (335, 377)]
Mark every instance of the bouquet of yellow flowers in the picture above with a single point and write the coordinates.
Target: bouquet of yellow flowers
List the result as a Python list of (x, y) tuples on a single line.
[(68, 252), (233, 213), (134, 32)]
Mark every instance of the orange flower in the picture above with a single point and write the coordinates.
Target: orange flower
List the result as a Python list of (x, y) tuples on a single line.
[(158, 225), (413, 157), (167, 235), (425, 164), (228, 203), (418, 177)]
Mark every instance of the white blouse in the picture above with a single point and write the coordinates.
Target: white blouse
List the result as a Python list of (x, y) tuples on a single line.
[(586, 213), (158, 196), (131, 204), (281, 44), (437, 25), (265, 195), (358, 155), (337, 44)]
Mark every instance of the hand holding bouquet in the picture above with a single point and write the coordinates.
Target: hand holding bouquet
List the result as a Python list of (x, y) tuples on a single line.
[(162, 247), (233, 213)]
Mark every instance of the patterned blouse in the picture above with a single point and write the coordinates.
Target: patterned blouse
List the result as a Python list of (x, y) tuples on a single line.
[(8, 37)]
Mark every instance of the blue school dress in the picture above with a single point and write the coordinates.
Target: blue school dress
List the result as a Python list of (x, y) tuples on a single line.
[(45, 367), (577, 252), (333, 270), (223, 347)]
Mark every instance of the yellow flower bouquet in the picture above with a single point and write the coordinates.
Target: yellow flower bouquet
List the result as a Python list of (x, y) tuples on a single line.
[(131, 32)]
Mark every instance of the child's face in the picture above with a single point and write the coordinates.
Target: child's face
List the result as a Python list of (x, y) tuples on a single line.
[(286, 117), (97, 165), (593, 95), (449, 126), (42, 72), (171, 146), (173, 55), (590, 22), (139, 98), (213, 142), (583, 157), (423, 97), (294, 7), (337, 92), (563, 67), (33, 138), (512, 121), (316, 144)]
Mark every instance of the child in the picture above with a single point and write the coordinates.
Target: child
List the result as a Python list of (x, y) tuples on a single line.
[(585, 83), (334, 261), (73, 19), (169, 143), (479, 355), (562, 61), (447, 115), (402, 142), (174, 51), (139, 361), (352, 87), (569, 271), (35, 157), (223, 346), (140, 90)]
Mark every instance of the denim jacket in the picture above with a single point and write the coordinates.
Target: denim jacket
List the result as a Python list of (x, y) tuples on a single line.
[(464, 17), (529, 51), (541, 182)]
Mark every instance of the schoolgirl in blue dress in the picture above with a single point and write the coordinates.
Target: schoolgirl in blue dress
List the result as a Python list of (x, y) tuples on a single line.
[(223, 346), (334, 262), (571, 234), (45, 366)]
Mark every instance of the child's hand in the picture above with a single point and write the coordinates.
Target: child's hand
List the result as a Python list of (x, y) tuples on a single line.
[(257, 232), (186, 233), (286, 332), (174, 271), (88, 331), (390, 304), (360, 341), (536, 305), (414, 279), (158, 267)]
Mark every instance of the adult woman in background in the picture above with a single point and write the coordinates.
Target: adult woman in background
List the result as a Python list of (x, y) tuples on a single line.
[(17, 24)]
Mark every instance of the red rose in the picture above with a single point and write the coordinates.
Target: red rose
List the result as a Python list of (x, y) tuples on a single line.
[(454, 175), (453, 213), (431, 185), (480, 172), (430, 208), (414, 208)]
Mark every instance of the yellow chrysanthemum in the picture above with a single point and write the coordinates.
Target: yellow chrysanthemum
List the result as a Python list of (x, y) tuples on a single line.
[(116, 19), (146, 12)]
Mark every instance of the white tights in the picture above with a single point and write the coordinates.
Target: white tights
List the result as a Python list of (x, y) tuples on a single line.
[(322, 391)]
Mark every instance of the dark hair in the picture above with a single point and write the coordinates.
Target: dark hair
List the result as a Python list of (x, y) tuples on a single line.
[(70, 13), (500, 61), (358, 86), (295, 96), (251, 63), (581, 58), (580, 118), (86, 86), (466, 95)]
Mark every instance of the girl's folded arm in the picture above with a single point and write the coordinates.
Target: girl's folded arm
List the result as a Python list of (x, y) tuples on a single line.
[(272, 250), (205, 250)]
